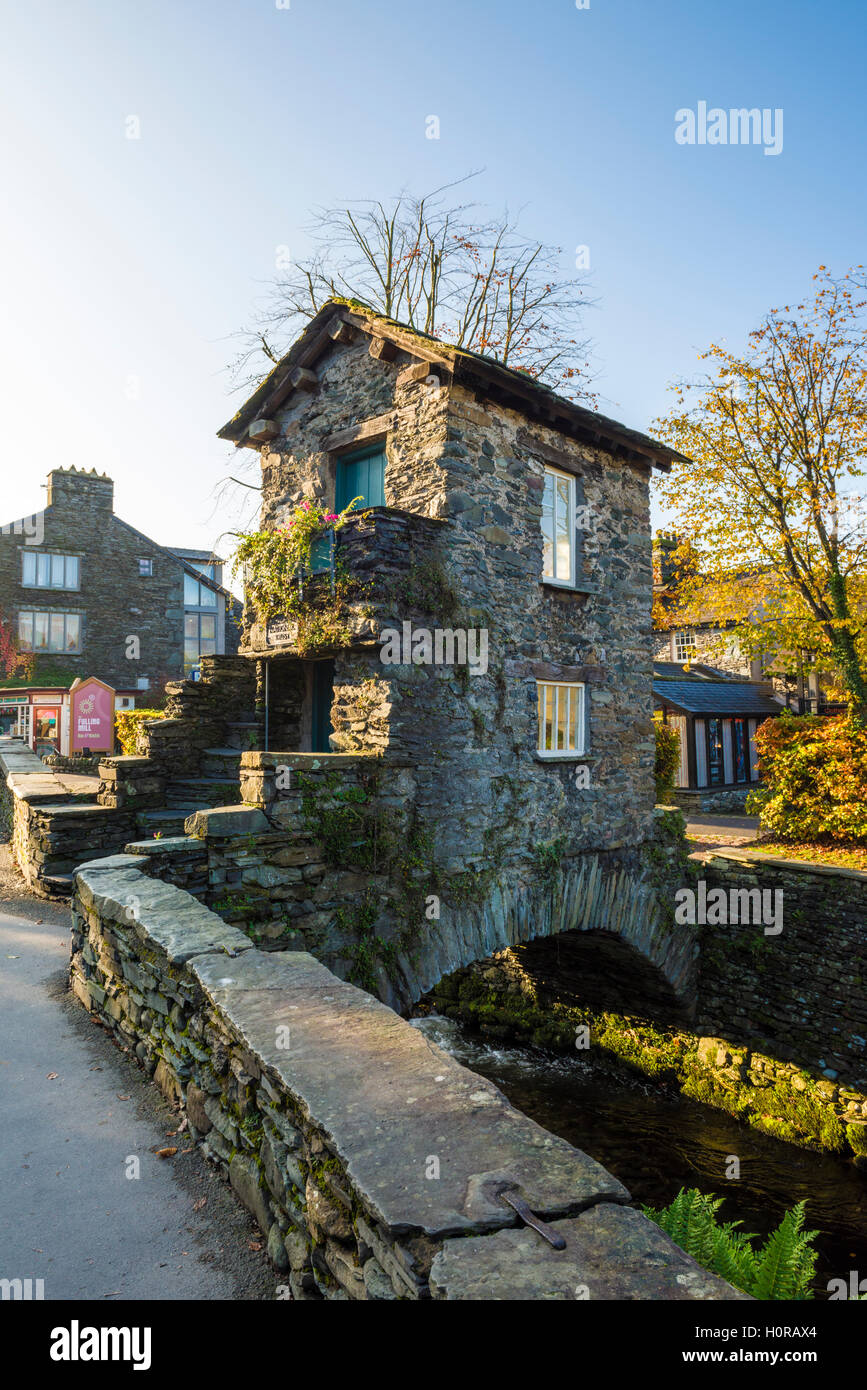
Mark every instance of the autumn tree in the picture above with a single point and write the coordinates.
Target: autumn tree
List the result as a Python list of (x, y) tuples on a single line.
[(772, 499), (442, 269)]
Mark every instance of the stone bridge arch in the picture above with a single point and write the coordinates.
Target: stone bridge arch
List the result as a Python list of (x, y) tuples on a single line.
[(594, 895)]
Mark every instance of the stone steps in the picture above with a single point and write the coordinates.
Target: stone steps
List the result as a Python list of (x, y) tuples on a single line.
[(222, 762), (202, 791), (168, 823), (243, 734)]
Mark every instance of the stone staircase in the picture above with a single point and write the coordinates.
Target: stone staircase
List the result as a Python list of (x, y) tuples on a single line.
[(217, 784)]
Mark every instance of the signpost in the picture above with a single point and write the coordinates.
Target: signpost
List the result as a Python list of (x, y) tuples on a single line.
[(92, 721)]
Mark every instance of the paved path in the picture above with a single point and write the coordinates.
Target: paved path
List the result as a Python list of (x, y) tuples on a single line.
[(74, 1108), (722, 830)]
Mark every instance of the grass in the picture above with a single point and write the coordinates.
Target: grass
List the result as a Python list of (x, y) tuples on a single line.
[(851, 856)]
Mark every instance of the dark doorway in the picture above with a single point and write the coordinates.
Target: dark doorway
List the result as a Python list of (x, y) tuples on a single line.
[(322, 696)]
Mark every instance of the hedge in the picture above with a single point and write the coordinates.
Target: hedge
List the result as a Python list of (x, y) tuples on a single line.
[(814, 771), (128, 723), (667, 757)]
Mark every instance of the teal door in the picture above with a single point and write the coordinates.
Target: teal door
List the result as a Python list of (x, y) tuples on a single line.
[(361, 475), (323, 694)]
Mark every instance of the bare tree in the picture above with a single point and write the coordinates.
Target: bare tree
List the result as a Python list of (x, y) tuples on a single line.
[(478, 284)]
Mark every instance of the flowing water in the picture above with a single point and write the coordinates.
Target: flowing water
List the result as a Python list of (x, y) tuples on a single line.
[(655, 1143)]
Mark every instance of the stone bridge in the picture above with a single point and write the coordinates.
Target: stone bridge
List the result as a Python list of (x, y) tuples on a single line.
[(374, 1163)]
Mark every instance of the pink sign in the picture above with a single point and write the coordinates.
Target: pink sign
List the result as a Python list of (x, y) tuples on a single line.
[(92, 720)]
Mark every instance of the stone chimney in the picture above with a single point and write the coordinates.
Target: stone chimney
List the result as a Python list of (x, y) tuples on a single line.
[(74, 487), (665, 543)]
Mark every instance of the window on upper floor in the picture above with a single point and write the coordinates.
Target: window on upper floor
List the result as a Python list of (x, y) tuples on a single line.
[(49, 632), (198, 595), (145, 566), (684, 646), (561, 719), (40, 570), (563, 520)]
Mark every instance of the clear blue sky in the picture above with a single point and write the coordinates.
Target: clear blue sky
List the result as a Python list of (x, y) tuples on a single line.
[(126, 264)]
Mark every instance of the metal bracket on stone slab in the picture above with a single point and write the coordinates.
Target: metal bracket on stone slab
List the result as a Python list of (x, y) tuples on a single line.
[(509, 1193)]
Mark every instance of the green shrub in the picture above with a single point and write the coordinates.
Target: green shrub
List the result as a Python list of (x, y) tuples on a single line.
[(814, 771), (781, 1269), (128, 724), (667, 758)]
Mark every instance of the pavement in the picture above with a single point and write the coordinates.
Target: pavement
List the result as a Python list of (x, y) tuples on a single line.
[(78, 1117), (732, 831)]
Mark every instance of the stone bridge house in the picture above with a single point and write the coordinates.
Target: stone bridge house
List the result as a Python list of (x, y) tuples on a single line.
[(446, 746)]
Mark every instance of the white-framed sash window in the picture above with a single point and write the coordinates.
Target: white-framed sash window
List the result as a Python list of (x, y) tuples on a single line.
[(561, 719), (558, 528), (684, 645)]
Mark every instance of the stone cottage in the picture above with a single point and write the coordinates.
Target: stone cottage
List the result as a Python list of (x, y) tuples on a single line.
[(483, 621)]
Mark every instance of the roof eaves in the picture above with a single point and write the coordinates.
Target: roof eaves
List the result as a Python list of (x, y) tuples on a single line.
[(465, 364)]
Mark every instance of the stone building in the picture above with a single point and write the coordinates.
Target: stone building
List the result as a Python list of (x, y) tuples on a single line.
[(88, 594), (490, 630)]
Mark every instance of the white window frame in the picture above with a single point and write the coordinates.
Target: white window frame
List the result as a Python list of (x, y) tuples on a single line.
[(692, 644), (145, 567), (570, 687), (561, 583), (32, 613), (50, 556)]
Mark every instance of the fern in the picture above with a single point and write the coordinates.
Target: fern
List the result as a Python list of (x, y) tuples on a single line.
[(787, 1262), (782, 1268)]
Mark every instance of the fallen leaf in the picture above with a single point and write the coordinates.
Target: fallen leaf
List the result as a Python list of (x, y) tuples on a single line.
[(254, 1245), (166, 1153), (202, 1202), (52, 1076), (120, 1097)]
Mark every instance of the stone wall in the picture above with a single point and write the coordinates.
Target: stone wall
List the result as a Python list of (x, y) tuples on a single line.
[(800, 995), (711, 801), (370, 1159), (53, 820)]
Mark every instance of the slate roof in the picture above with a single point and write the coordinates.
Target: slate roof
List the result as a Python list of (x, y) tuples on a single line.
[(715, 697), (524, 393), (673, 670)]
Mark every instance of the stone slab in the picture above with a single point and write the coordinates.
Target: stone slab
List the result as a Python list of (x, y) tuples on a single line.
[(173, 847), (222, 822), (159, 912), (388, 1101), (612, 1253)]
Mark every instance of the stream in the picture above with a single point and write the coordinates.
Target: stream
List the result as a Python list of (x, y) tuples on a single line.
[(656, 1142)]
